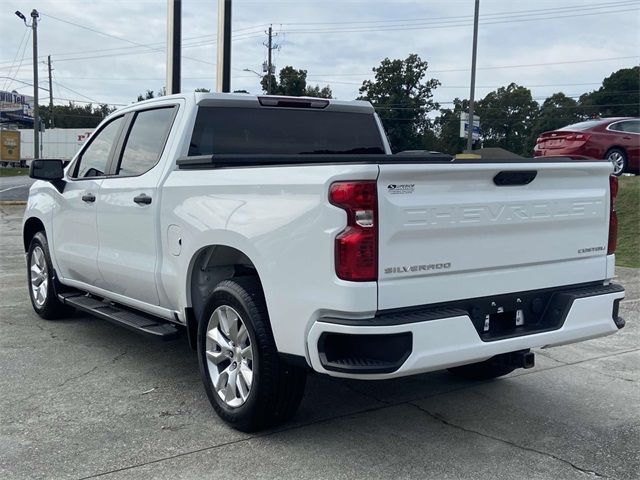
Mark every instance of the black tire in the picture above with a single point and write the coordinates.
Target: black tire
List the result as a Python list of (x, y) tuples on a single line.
[(51, 308), (618, 157), (482, 370), (277, 387)]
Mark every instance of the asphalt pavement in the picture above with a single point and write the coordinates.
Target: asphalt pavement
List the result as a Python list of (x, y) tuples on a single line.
[(82, 398), (15, 188)]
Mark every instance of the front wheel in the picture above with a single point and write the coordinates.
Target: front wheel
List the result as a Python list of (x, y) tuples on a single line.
[(619, 160), (247, 383), (41, 278)]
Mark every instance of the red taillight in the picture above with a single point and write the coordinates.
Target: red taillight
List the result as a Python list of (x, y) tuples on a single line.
[(613, 216), (356, 246), (578, 137)]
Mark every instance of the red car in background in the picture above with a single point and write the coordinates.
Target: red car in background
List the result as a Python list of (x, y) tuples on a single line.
[(616, 139)]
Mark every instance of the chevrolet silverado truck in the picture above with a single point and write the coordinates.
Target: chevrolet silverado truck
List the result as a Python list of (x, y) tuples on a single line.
[(281, 235)]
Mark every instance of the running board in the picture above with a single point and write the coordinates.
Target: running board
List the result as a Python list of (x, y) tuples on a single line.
[(137, 322)]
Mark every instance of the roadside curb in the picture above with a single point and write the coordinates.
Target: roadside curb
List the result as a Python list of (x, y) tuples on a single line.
[(12, 202)]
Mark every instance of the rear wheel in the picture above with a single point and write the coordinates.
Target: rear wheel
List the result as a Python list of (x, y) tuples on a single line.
[(42, 281), (619, 160), (482, 370), (247, 383)]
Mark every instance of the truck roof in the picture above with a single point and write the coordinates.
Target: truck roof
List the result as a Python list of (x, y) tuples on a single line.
[(243, 100), (256, 101)]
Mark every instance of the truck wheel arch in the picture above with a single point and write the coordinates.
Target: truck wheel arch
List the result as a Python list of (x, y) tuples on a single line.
[(32, 226), (210, 266)]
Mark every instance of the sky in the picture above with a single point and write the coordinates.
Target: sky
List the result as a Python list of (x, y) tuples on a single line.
[(109, 51)]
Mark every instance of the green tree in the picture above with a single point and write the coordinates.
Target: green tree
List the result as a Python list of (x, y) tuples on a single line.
[(293, 82), (447, 127), (619, 95), (316, 91), (506, 118), (403, 99), (556, 112), (147, 96), (74, 116)]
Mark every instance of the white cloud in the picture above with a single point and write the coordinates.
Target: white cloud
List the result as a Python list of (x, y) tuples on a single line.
[(116, 71)]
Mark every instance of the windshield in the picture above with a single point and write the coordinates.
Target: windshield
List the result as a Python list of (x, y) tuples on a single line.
[(228, 130), (582, 125)]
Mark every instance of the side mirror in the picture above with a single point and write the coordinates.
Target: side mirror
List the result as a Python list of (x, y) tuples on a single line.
[(49, 170)]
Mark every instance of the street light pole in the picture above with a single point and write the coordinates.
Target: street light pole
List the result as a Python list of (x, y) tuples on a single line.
[(473, 76), (36, 117)]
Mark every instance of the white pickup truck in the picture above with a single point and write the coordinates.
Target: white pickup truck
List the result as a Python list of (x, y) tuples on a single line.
[(282, 235)]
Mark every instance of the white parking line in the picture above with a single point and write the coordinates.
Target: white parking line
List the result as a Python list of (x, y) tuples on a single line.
[(13, 188)]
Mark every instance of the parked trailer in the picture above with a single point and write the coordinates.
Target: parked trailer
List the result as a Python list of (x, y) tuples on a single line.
[(62, 143)]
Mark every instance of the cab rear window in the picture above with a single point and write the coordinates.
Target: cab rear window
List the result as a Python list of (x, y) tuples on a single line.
[(228, 130)]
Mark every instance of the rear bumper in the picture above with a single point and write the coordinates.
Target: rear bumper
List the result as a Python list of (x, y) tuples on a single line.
[(423, 341), (582, 150)]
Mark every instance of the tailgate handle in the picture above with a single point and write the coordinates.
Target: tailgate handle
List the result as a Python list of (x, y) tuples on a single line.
[(514, 178)]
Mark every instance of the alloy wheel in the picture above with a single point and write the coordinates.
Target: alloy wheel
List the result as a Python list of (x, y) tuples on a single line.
[(618, 162), (229, 356), (39, 276)]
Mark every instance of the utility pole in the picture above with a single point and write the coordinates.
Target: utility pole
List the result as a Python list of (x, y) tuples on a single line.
[(473, 76), (51, 121), (223, 76), (36, 116), (269, 61), (270, 67), (174, 39)]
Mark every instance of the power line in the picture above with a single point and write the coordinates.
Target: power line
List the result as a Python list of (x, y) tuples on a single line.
[(430, 22), (24, 48), (452, 24), (516, 13), (99, 32), (491, 67), (581, 7), (76, 92), (150, 45), (152, 50), (25, 39)]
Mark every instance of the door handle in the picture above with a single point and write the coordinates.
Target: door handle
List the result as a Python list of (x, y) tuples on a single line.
[(514, 178), (142, 199), (626, 138), (89, 198)]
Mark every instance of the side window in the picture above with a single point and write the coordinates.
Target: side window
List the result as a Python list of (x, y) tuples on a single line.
[(632, 126), (616, 127), (94, 160), (145, 141)]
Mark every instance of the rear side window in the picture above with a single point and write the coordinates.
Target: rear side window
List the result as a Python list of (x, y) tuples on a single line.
[(582, 125), (145, 141), (94, 160), (227, 130), (631, 126)]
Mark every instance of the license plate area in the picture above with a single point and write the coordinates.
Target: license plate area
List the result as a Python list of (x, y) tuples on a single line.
[(503, 322), (506, 316)]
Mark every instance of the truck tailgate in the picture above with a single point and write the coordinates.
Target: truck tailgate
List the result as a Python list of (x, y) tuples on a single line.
[(450, 232)]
